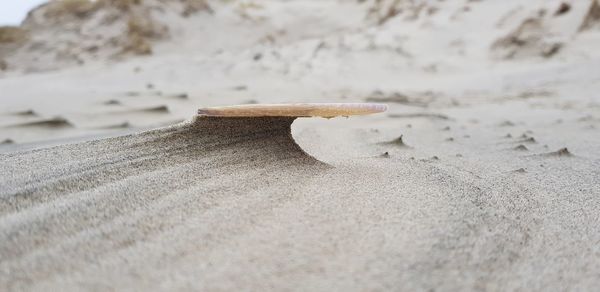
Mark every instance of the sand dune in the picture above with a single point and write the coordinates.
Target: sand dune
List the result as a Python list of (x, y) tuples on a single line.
[(482, 175), (207, 138), (193, 157), (128, 28), (230, 203)]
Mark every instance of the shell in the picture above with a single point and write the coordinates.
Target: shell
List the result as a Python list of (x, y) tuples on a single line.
[(326, 110)]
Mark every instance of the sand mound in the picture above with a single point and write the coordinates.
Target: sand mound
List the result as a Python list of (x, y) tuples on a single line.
[(195, 205), (216, 138), (197, 155), (70, 32), (234, 204), (263, 141)]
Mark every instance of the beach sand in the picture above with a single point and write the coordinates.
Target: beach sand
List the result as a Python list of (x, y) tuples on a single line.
[(484, 173)]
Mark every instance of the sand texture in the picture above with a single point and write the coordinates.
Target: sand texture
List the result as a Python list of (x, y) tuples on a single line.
[(235, 203), (482, 175)]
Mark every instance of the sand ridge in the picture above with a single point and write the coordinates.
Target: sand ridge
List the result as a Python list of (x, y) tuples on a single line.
[(483, 174), (210, 200)]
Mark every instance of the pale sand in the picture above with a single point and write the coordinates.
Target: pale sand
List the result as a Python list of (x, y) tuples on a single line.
[(234, 203), (478, 196)]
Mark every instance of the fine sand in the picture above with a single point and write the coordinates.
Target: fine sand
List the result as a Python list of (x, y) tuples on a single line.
[(484, 173)]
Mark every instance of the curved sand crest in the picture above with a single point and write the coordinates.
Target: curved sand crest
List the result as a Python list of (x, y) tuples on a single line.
[(49, 192), (216, 139)]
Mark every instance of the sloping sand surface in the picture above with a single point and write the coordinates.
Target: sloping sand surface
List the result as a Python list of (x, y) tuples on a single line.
[(234, 203), (484, 173)]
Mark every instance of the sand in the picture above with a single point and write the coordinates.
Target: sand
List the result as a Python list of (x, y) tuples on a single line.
[(494, 184)]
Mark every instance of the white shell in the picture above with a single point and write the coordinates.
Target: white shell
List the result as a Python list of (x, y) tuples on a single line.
[(326, 110)]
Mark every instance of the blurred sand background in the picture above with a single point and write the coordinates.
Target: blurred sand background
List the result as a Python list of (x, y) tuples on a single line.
[(484, 174)]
